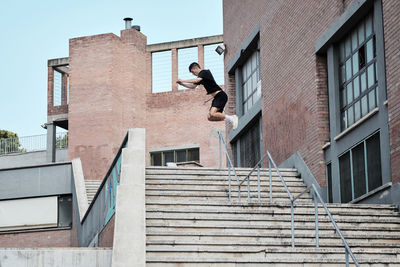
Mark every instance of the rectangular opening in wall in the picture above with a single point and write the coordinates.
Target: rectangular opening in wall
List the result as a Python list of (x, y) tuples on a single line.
[(161, 64), (374, 162), (161, 158), (345, 178), (214, 62), (186, 56), (28, 213), (329, 182), (57, 88)]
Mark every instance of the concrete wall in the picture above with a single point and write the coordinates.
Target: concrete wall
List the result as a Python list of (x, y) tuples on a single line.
[(36, 181), (30, 158), (48, 257)]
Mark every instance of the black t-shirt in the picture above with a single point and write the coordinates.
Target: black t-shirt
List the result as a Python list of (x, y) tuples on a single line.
[(208, 81)]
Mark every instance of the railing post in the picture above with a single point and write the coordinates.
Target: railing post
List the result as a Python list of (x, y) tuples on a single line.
[(270, 181), (229, 178), (316, 219), (258, 183), (239, 192), (248, 188), (347, 258), (219, 142), (292, 220)]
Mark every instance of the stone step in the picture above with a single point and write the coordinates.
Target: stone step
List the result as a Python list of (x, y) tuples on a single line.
[(265, 223), (268, 211), (186, 177), (219, 182), (208, 171), (278, 228), (212, 204), (249, 252), (297, 260), (253, 188)]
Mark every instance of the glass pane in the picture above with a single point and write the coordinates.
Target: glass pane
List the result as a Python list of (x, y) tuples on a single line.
[(254, 82), (168, 157), (350, 115), (253, 61), (156, 159), (348, 69), (342, 74), (371, 76), (345, 178), (250, 146), (356, 87), (371, 100), (361, 57), (194, 155), (244, 74), (344, 120), (364, 106), (355, 63), (181, 156), (329, 182), (361, 33), (349, 93), (347, 47), (343, 98), (368, 26), (357, 111), (370, 50), (341, 53), (354, 42), (363, 82), (374, 162), (248, 68), (359, 170)]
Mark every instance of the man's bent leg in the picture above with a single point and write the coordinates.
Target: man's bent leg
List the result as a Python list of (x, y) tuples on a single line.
[(214, 115)]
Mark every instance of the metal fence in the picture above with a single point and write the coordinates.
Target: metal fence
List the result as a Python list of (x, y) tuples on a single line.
[(31, 143)]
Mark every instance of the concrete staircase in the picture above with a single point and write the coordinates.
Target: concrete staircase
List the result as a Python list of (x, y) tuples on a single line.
[(91, 188), (190, 222)]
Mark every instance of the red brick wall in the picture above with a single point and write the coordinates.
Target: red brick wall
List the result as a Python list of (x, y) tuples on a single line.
[(53, 238), (391, 26), (54, 110), (106, 236), (294, 80), (110, 92)]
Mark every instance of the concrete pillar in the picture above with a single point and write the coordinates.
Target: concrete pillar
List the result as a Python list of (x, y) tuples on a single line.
[(51, 143), (201, 55), (130, 212), (174, 60)]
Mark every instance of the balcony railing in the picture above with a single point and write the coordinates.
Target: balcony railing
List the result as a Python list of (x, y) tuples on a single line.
[(31, 143)]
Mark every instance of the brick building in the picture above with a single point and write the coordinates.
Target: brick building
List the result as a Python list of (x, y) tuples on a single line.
[(106, 86), (318, 81)]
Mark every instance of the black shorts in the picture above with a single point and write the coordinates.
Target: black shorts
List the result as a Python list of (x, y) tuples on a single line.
[(219, 101)]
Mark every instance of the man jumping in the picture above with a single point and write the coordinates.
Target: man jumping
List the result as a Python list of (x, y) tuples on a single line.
[(205, 78)]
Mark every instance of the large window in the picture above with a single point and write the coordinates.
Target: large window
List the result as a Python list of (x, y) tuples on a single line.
[(247, 148), (161, 71), (161, 158), (360, 169), (358, 82), (251, 89)]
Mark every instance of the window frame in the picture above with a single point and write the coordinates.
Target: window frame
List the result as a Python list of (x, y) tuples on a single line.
[(175, 151)]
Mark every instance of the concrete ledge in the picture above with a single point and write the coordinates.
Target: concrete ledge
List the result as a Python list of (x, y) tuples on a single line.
[(296, 161), (49, 257), (185, 43), (130, 213), (80, 187)]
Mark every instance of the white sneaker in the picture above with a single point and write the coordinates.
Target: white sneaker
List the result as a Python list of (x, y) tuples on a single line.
[(235, 121)]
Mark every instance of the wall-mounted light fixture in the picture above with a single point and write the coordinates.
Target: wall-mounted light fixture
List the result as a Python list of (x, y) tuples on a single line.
[(220, 49)]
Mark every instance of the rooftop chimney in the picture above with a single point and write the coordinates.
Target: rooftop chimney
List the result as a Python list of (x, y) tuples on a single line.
[(136, 27), (128, 22)]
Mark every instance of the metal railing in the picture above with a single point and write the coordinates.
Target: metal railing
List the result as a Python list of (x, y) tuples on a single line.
[(31, 143), (315, 194)]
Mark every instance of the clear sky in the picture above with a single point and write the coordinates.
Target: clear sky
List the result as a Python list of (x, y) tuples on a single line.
[(34, 31)]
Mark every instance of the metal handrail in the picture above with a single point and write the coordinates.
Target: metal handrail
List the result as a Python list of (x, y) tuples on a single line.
[(221, 141), (316, 197)]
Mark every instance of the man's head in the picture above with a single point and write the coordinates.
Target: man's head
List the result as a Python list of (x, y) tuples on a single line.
[(194, 68)]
